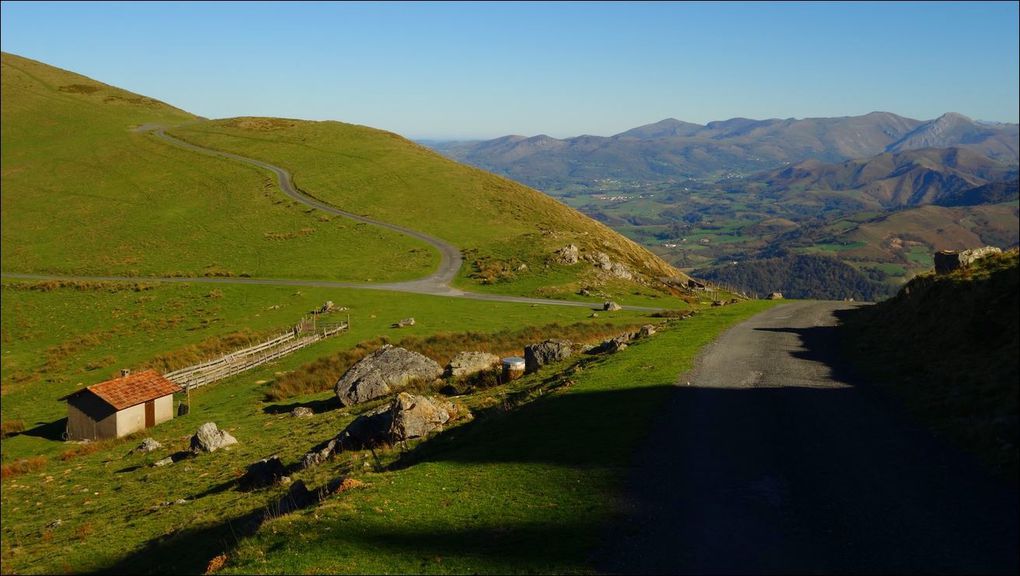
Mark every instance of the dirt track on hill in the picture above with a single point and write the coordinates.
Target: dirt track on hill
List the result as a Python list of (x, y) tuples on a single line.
[(776, 459)]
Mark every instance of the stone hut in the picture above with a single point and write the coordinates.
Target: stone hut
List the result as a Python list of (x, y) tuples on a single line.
[(120, 406)]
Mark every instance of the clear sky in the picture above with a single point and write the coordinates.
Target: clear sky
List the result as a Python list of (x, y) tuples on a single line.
[(482, 70)]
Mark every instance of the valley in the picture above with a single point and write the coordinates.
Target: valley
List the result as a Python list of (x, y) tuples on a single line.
[(863, 191)]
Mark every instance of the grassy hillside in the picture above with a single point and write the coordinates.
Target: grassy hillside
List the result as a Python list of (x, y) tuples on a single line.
[(499, 224), (85, 194), (947, 345)]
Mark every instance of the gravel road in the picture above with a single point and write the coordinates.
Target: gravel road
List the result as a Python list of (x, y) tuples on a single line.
[(773, 459)]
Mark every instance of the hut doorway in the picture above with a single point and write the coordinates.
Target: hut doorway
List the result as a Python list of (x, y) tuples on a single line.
[(150, 413)]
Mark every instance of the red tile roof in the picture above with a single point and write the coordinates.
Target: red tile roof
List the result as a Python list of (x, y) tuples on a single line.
[(127, 391)]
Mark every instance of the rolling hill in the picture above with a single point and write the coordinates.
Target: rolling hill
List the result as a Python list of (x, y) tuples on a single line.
[(74, 165)]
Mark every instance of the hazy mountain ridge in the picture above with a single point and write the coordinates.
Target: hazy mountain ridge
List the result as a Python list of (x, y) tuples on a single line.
[(672, 149), (910, 178)]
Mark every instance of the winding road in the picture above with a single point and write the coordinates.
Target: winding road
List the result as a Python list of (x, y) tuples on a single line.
[(439, 283), (773, 458)]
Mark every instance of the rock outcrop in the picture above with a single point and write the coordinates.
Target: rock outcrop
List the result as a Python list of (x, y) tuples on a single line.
[(210, 438), (948, 260), (387, 370), (538, 355), (468, 363), (568, 255)]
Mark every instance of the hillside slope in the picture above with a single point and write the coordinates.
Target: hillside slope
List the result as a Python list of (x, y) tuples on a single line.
[(83, 193), (509, 233), (948, 346)]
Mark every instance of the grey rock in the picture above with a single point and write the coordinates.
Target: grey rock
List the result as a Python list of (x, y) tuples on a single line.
[(538, 355), (385, 371), (406, 417), (611, 306), (164, 462), (404, 323), (468, 363), (148, 445), (775, 296), (417, 416), (210, 438), (302, 412), (646, 331), (612, 345)]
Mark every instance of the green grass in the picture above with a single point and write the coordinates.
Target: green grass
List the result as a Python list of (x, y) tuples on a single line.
[(515, 490), (84, 194)]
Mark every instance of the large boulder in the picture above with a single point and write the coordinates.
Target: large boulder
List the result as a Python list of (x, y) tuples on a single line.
[(538, 355), (775, 296), (406, 417), (468, 363), (210, 438), (385, 371), (610, 306), (417, 416)]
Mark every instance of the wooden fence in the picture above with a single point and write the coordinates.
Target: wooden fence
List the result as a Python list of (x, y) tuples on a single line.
[(304, 334)]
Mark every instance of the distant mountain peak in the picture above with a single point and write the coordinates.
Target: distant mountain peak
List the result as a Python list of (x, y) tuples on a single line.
[(666, 128)]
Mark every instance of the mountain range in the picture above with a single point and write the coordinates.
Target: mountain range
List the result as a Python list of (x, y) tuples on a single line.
[(671, 149)]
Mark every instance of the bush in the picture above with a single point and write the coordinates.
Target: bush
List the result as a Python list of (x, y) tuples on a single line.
[(23, 466)]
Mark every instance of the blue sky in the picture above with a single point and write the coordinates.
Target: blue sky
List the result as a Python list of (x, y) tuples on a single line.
[(481, 70)]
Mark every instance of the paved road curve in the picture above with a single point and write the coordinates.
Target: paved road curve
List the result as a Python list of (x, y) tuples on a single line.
[(774, 461)]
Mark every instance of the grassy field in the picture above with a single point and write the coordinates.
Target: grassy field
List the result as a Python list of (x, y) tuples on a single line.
[(85, 194), (522, 487)]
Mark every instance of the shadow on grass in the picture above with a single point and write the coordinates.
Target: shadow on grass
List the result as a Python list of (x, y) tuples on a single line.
[(317, 406), (47, 430)]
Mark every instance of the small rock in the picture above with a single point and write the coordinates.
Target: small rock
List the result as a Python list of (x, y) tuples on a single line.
[(55, 524), (148, 445), (775, 296), (265, 472), (646, 331), (210, 438), (404, 323), (611, 306), (594, 315), (164, 462), (302, 412)]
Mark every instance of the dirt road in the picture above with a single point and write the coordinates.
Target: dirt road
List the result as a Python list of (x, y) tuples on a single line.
[(775, 460)]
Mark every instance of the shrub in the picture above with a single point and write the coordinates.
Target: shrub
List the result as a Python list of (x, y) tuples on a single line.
[(23, 466), (11, 427)]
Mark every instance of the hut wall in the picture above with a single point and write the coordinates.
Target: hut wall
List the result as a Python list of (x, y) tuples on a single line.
[(164, 408), (81, 426), (130, 420)]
